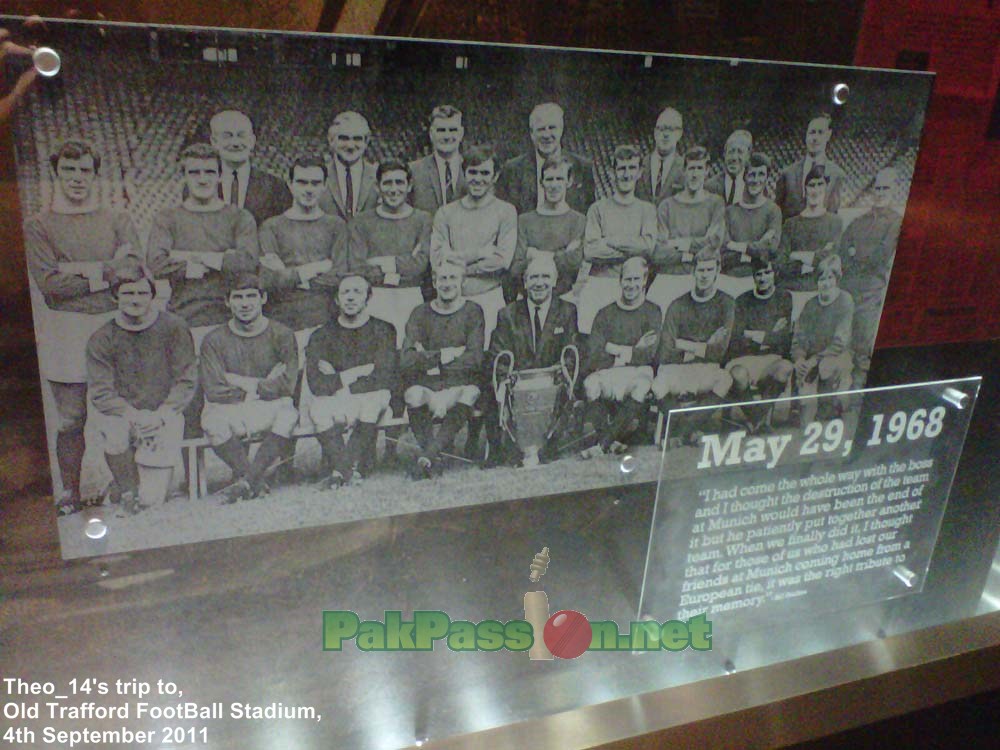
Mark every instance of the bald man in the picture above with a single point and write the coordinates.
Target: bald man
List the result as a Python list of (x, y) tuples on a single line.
[(867, 249), (662, 172), (729, 183), (521, 176), (242, 184), (351, 184)]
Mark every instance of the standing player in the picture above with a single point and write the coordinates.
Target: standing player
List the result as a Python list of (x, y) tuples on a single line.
[(141, 372), (696, 332), (248, 371), (351, 182), (821, 344), (761, 342), (687, 223), (618, 228), (621, 353), (302, 250), (553, 230), (730, 183), (197, 244), (481, 230), (438, 178), (806, 239), (535, 330), (521, 176), (790, 190), (390, 246), (351, 362), (442, 361), (662, 173), (753, 229), (243, 185), (72, 252), (867, 249)]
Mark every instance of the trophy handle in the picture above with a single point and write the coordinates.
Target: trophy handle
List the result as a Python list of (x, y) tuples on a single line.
[(570, 379), (505, 354)]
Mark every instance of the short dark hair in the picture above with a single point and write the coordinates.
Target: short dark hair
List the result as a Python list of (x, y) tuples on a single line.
[(308, 162), (818, 172), (443, 112), (74, 149), (393, 165), (758, 159), (760, 263), (129, 270), (695, 153), (554, 162), (625, 152), (200, 151), (241, 281), (480, 153)]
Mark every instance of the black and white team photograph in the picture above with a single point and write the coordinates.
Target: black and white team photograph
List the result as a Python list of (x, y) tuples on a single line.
[(288, 280)]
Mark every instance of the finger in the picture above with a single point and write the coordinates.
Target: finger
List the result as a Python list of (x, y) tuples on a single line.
[(10, 101), (8, 47)]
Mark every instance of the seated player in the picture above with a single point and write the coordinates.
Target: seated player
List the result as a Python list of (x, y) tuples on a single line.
[(552, 230), (806, 239), (753, 229), (619, 227), (350, 363), (141, 374), (687, 223), (621, 352), (442, 361), (390, 246), (867, 249), (761, 343), (696, 333), (302, 250), (72, 250), (821, 342), (248, 370), (480, 229), (535, 330)]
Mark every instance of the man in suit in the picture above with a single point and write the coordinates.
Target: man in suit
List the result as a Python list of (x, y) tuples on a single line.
[(535, 330), (790, 192), (662, 173), (730, 183), (520, 177), (438, 178), (243, 185), (351, 183)]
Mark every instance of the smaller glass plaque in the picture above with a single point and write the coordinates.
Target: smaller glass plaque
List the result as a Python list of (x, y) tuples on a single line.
[(833, 502)]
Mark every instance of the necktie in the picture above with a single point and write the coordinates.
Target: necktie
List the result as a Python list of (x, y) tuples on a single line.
[(537, 325), (732, 192), (449, 183), (234, 190), (349, 185)]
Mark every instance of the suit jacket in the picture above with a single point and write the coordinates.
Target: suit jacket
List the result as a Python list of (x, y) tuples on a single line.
[(518, 183), (513, 333), (267, 196), (790, 194), (673, 184), (717, 184), (331, 201), (428, 192)]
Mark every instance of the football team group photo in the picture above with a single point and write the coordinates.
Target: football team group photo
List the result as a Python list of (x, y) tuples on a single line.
[(247, 310)]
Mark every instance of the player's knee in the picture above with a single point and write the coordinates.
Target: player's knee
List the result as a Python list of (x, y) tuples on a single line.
[(115, 435), (592, 387), (660, 386), (468, 395), (216, 427), (782, 371), (415, 396), (723, 383), (740, 377), (285, 418)]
